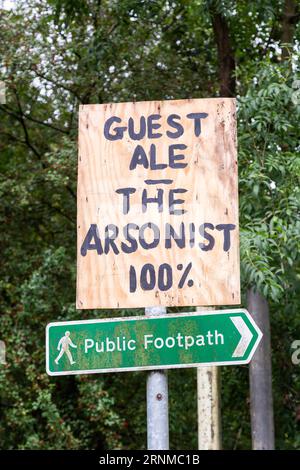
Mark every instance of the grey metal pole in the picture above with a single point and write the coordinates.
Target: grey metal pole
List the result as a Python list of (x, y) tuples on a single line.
[(260, 372), (209, 399), (157, 401)]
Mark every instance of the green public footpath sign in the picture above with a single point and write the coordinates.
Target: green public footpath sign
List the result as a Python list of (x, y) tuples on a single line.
[(142, 343)]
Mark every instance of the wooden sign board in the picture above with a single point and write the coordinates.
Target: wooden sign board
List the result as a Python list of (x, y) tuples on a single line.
[(158, 204)]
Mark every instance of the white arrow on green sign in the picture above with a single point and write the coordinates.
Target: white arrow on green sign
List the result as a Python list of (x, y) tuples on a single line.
[(224, 337)]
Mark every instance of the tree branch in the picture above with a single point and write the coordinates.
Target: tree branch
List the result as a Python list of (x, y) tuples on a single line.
[(23, 124), (11, 113)]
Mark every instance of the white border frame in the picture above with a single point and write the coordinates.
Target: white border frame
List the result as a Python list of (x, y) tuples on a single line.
[(156, 317)]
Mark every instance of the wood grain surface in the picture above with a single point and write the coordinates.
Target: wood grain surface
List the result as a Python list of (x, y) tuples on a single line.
[(209, 179)]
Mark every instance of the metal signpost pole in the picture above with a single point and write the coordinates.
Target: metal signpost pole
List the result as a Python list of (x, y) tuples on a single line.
[(157, 401)]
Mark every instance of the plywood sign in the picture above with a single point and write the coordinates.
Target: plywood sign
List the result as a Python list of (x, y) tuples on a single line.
[(158, 204)]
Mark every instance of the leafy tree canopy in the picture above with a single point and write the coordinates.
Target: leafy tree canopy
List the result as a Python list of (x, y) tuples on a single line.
[(57, 54)]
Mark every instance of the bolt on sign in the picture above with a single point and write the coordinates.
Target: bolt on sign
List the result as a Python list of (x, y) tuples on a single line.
[(158, 204), (228, 337)]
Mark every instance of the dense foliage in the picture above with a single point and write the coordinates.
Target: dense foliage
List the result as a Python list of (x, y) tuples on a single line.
[(57, 54)]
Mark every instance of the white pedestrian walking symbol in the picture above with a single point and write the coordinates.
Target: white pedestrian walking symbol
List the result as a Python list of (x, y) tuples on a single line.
[(63, 347)]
